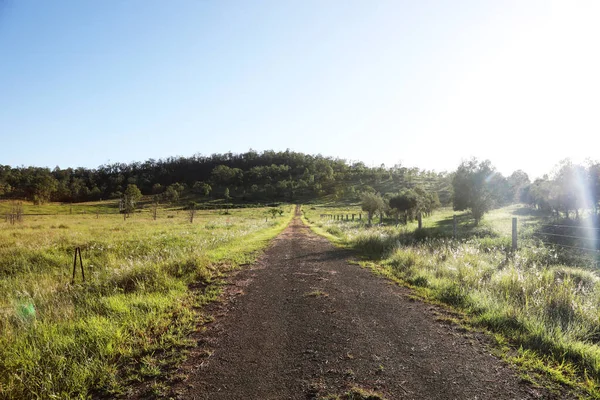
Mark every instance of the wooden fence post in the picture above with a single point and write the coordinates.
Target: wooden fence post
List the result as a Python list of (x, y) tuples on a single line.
[(420, 219), (514, 234)]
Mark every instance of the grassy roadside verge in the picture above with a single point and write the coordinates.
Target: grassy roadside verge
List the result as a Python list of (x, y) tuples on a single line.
[(131, 318), (542, 315)]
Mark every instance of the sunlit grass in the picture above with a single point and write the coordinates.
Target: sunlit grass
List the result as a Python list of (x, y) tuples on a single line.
[(528, 296), (59, 340)]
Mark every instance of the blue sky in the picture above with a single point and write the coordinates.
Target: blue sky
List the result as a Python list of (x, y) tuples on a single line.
[(424, 83)]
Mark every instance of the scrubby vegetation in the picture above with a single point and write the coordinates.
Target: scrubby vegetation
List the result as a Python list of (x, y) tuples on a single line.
[(130, 319)]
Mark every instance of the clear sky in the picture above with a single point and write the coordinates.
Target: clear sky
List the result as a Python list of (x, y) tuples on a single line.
[(424, 83)]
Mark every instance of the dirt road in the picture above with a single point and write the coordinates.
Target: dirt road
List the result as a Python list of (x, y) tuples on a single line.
[(305, 323)]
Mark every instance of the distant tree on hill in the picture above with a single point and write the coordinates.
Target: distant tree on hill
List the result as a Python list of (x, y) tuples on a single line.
[(202, 188), (371, 203), (5, 188), (223, 175), (157, 188), (130, 198), (42, 186), (171, 194)]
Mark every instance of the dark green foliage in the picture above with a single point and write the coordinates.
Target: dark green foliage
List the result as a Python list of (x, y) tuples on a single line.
[(250, 177), (371, 203), (130, 198), (202, 188)]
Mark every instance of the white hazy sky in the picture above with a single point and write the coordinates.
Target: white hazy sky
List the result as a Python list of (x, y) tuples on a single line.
[(425, 83)]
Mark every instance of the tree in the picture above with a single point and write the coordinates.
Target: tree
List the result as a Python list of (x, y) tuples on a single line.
[(41, 186), (4, 188), (517, 183), (191, 211), (171, 195), (131, 196), (226, 195), (404, 203), (222, 174), (594, 185), (157, 188), (471, 188), (202, 188), (173, 192), (371, 203)]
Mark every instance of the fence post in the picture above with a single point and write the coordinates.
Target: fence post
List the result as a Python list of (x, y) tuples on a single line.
[(420, 219), (454, 227), (359, 216), (514, 234), (352, 217), (77, 251)]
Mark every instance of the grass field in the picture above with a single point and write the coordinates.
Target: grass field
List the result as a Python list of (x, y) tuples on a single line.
[(129, 320), (533, 299)]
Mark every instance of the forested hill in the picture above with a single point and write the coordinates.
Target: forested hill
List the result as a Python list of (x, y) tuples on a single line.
[(250, 176)]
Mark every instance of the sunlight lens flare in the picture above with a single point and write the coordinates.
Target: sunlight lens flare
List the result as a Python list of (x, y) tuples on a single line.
[(585, 200)]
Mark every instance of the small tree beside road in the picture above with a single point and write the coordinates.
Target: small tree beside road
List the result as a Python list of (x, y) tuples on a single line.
[(371, 203)]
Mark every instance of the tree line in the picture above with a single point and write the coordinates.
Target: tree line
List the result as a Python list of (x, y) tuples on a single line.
[(568, 191), (292, 176), (250, 176)]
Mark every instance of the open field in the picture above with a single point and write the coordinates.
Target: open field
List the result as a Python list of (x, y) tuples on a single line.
[(130, 318), (92, 207), (533, 299)]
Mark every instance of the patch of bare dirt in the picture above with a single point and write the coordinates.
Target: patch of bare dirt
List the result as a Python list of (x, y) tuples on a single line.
[(305, 323)]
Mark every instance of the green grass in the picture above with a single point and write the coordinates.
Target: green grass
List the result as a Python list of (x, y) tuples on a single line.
[(130, 319), (529, 298), (93, 207)]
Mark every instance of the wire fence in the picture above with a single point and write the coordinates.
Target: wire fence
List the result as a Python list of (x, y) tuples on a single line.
[(570, 242)]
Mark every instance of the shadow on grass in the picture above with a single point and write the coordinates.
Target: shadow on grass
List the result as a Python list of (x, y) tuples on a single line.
[(531, 212)]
